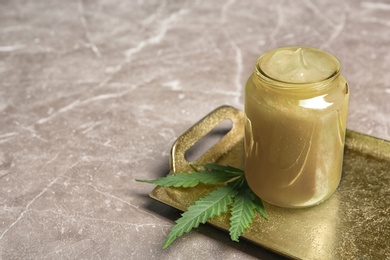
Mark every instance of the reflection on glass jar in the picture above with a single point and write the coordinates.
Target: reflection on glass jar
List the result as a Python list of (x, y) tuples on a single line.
[(296, 105)]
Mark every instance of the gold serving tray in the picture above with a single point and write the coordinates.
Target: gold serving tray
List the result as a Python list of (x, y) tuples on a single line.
[(353, 224)]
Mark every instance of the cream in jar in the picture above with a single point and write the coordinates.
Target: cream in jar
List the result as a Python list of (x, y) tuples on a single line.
[(296, 105)]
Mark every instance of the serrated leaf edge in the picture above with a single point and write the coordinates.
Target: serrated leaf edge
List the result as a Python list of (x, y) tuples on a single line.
[(204, 209), (187, 180), (242, 215)]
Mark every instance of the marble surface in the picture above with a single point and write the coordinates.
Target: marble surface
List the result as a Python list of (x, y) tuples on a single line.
[(94, 93)]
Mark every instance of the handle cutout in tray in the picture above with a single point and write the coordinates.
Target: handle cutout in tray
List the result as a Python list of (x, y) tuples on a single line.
[(208, 141), (180, 161)]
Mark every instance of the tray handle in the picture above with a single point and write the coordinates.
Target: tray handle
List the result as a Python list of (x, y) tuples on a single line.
[(178, 162)]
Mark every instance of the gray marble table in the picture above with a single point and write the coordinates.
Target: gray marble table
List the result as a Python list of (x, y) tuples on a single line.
[(94, 93)]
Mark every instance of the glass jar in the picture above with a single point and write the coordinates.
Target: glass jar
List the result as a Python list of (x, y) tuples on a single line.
[(296, 104)]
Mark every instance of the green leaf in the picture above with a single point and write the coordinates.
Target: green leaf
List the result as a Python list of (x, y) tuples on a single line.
[(192, 179), (223, 168), (243, 210), (259, 207), (206, 207), (236, 192), (242, 213)]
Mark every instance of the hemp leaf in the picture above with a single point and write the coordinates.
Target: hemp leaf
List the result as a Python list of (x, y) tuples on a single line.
[(207, 207), (243, 211), (185, 180), (235, 194)]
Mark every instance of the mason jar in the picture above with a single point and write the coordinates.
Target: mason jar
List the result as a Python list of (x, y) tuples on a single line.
[(296, 104)]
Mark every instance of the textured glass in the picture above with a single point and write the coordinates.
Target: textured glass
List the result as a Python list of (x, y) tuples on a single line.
[(295, 126)]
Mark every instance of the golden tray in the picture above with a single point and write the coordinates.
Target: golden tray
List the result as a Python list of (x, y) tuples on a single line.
[(353, 224)]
